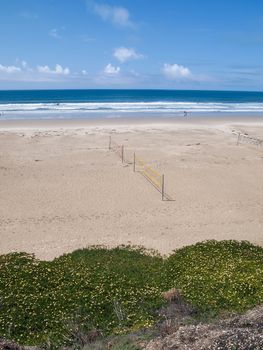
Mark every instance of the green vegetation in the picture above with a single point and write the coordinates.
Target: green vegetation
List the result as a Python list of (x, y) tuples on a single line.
[(108, 290), (100, 291), (218, 276)]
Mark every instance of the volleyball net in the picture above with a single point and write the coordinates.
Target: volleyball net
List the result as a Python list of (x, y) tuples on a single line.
[(139, 165), (151, 174), (244, 138)]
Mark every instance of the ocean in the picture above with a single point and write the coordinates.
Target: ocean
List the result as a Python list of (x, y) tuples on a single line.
[(44, 104)]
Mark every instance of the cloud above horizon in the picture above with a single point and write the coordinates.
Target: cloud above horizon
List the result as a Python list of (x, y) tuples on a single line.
[(176, 72), (57, 70), (118, 15), (109, 74), (9, 69), (124, 54), (24, 64), (111, 70), (21, 71)]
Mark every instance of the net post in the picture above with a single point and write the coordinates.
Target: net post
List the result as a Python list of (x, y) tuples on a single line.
[(134, 165), (162, 187), (122, 153), (110, 143), (238, 138)]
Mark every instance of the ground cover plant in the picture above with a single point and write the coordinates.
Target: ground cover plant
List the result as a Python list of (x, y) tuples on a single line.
[(98, 292), (218, 276)]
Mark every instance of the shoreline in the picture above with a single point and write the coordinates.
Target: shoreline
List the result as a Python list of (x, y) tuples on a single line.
[(72, 123)]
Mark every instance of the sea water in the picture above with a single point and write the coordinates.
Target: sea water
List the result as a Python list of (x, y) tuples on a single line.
[(43, 104)]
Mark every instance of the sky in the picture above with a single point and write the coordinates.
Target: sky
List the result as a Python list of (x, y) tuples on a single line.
[(127, 44)]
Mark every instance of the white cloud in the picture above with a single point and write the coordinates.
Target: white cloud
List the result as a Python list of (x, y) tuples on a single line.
[(118, 15), (22, 72), (84, 72), (24, 64), (21, 63), (124, 54), (58, 70), (176, 72), (111, 70), (9, 69)]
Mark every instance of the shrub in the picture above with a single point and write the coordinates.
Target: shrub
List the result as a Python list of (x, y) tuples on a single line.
[(218, 276), (108, 290), (98, 291)]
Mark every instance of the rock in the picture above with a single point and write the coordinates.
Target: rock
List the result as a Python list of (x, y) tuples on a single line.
[(8, 345), (243, 332)]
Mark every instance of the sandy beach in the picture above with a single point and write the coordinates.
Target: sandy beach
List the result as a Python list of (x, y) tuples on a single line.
[(62, 189)]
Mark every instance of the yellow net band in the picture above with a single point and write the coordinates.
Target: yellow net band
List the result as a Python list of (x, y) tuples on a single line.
[(156, 182), (150, 173), (143, 164)]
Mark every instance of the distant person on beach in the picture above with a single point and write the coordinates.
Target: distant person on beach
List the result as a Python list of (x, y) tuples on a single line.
[(185, 114)]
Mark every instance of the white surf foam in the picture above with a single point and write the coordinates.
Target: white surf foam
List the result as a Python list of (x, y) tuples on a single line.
[(158, 107)]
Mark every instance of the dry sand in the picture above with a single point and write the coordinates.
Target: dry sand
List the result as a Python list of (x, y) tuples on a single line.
[(62, 189)]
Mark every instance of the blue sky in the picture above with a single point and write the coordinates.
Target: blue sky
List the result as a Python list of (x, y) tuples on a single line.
[(173, 44)]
